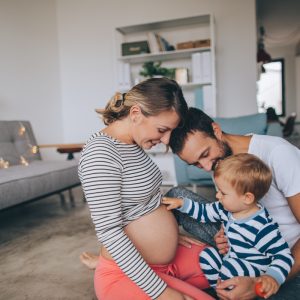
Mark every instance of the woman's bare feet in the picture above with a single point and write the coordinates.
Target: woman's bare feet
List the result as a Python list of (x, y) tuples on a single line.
[(89, 259)]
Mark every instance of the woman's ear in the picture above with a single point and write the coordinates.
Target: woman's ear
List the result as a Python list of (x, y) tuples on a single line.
[(217, 130), (135, 114), (249, 198)]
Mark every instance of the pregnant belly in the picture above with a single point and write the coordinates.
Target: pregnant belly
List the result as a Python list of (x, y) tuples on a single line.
[(155, 236)]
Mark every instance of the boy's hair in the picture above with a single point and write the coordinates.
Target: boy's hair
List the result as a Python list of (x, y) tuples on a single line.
[(195, 120), (246, 173)]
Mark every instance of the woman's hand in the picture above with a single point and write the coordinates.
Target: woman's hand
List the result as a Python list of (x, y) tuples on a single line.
[(221, 241), (171, 294), (187, 241), (241, 288), (172, 203)]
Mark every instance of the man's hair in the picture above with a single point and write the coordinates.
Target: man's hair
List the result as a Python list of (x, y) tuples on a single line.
[(245, 173), (195, 120)]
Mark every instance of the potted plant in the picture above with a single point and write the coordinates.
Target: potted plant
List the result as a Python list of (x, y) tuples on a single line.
[(154, 69)]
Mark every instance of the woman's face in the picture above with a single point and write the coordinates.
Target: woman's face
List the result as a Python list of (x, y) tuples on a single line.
[(150, 131)]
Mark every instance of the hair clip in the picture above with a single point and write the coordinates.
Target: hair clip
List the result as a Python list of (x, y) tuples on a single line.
[(120, 102)]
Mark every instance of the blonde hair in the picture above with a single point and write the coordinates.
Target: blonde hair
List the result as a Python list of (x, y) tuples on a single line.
[(246, 173), (154, 96)]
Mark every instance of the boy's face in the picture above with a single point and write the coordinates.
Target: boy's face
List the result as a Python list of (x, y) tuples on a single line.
[(228, 197), (203, 151)]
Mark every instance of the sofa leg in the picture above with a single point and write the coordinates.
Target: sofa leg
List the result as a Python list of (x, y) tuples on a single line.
[(71, 198), (194, 188), (62, 199)]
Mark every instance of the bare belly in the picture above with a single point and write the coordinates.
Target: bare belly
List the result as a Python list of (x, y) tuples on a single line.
[(155, 236)]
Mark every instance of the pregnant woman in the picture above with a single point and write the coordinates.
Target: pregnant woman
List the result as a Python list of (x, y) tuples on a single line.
[(140, 256)]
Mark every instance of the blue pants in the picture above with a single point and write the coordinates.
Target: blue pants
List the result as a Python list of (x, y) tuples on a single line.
[(214, 266)]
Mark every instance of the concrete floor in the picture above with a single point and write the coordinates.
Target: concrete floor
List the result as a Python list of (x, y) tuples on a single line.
[(40, 247), (40, 244)]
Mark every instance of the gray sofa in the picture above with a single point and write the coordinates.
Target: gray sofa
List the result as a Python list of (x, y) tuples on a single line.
[(20, 183)]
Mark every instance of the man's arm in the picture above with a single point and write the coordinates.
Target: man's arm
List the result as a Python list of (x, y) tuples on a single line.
[(296, 266), (294, 203)]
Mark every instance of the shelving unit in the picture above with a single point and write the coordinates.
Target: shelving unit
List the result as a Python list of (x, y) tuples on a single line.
[(174, 31), (162, 56)]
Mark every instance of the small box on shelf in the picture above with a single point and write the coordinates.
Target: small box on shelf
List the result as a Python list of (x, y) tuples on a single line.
[(185, 45), (134, 48), (193, 44), (202, 43)]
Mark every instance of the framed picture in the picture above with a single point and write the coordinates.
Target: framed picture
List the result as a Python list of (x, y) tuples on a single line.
[(181, 75)]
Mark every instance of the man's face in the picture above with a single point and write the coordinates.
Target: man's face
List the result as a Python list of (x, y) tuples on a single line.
[(203, 151)]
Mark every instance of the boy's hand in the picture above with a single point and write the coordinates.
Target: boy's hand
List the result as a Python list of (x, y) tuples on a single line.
[(268, 285), (172, 203), (221, 241)]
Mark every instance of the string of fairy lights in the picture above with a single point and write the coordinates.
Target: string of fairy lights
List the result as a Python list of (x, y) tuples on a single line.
[(31, 149)]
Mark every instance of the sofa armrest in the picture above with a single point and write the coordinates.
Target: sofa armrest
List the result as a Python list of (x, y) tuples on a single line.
[(274, 129)]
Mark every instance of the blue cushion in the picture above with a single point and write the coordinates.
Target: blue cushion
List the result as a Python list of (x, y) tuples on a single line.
[(274, 129), (256, 123)]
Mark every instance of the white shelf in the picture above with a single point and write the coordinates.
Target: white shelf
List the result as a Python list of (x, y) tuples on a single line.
[(162, 56), (193, 20), (175, 31), (194, 84)]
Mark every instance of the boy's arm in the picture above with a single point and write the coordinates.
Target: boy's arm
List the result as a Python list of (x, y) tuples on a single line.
[(269, 241), (202, 212)]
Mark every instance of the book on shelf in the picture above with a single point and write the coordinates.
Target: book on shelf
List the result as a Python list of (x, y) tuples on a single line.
[(197, 75), (206, 66), (162, 43), (153, 45), (208, 103), (201, 67)]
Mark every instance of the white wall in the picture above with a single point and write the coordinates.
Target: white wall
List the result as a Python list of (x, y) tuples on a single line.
[(298, 86), (86, 43), (29, 72), (56, 59)]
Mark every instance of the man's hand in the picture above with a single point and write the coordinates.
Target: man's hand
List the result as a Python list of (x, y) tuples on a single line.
[(269, 285), (241, 288), (172, 203), (221, 241), (187, 241)]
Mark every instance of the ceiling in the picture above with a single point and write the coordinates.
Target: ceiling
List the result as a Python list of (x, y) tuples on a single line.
[(281, 21)]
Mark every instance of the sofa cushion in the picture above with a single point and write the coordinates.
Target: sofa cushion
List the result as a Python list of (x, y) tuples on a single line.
[(13, 145), (256, 123), (20, 183)]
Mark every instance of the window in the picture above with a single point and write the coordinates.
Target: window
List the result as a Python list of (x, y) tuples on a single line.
[(270, 87)]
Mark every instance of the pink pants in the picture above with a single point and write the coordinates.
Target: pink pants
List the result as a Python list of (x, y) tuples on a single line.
[(183, 274)]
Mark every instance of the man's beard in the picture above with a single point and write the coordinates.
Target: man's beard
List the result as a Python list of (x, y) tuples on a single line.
[(225, 150)]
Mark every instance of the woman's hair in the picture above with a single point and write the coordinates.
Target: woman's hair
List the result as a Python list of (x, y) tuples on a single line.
[(153, 96), (246, 173)]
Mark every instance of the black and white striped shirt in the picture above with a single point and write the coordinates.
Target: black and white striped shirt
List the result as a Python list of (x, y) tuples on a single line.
[(121, 183)]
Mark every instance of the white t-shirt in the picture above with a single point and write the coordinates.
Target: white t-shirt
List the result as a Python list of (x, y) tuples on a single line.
[(284, 161)]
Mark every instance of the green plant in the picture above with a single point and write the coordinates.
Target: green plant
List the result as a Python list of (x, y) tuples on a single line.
[(151, 69)]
